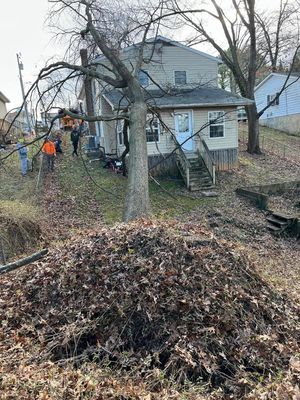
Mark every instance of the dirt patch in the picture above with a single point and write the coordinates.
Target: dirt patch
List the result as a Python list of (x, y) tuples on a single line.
[(148, 297)]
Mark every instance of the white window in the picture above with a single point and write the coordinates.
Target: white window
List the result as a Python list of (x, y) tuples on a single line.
[(216, 124), (144, 79), (120, 125), (271, 97), (152, 129), (180, 77)]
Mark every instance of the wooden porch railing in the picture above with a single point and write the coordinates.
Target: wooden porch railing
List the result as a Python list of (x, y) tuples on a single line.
[(182, 162), (206, 156)]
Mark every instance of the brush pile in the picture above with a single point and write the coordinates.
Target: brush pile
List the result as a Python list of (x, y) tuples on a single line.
[(150, 297), (19, 227)]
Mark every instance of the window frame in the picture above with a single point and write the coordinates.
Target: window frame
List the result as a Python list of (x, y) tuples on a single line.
[(148, 128), (119, 130), (216, 124), (180, 84), (270, 97)]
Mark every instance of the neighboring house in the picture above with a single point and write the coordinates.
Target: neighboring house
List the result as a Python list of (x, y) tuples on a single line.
[(3, 109), (19, 120), (47, 117), (284, 113), (181, 86), (4, 121)]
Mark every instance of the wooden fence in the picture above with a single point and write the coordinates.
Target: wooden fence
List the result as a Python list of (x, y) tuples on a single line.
[(272, 146)]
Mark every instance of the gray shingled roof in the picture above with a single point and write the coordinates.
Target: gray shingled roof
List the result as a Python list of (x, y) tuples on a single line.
[(180, 98)]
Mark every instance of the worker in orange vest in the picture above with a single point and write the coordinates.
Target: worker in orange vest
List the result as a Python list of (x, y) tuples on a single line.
[(50, 152)]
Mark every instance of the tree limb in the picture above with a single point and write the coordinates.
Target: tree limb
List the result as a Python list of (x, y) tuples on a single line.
[(24, 261)]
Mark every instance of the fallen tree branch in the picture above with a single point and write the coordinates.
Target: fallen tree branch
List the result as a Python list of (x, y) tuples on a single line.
[(2, 252), (23, 261)]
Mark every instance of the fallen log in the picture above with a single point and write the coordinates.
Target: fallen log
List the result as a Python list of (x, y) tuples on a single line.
[(23, 262), (2, 252)]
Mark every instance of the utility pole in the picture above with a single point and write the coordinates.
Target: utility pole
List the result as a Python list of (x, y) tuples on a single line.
[(21, 67)]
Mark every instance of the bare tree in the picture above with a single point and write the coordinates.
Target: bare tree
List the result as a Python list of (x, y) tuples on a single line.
[(244, 30), (104, 28), (279, 33)]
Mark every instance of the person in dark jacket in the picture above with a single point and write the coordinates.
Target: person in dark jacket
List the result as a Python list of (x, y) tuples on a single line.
[(58, 143), (75, 135)]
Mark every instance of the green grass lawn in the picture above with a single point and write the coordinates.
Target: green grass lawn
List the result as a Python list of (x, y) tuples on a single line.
[(80, 178), (19, 207)]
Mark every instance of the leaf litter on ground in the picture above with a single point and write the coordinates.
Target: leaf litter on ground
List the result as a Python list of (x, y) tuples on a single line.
[(152, 299)]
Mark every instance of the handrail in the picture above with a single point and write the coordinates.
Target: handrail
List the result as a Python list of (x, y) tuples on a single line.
[(182, 162), (208, 160)]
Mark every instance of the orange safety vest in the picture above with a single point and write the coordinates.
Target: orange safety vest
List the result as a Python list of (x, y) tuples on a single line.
[(49, 148)]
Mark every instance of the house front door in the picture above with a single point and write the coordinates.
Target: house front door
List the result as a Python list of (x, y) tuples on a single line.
[(184, 129)]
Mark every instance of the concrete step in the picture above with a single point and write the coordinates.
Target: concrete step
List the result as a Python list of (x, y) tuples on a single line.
[(198, 169), (277, 221), (200, 188), (200, 176), (275, 229), (283, 217)]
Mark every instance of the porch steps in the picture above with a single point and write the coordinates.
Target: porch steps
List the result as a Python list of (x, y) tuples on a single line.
[(278, 223), (200, 178)]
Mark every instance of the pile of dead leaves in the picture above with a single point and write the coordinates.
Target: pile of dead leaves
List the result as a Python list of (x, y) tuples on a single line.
[(20, 227), (150, 297)]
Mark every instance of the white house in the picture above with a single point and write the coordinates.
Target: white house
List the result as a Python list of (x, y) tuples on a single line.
[(181, 86), (284, 114)]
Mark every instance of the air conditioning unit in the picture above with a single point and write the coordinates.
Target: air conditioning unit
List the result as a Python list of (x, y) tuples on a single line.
[(92, 145)]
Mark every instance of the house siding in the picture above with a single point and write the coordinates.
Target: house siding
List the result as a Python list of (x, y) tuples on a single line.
[(166, 59), (200, 70), (230, 139), (288, 101), (224, 150), (3, 110)]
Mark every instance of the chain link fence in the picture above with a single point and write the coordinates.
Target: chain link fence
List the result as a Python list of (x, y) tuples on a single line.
[(275, 147)]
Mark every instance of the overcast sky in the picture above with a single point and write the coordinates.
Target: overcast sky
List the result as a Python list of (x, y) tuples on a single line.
[(22, 30)]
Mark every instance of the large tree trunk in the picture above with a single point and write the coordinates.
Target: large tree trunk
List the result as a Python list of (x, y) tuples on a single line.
[(88, 92), (137, 196), (253, 130)]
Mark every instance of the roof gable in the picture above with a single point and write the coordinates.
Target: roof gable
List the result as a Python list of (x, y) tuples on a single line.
[(182, 46), (276, 74), (163, 39), (3, 98)]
